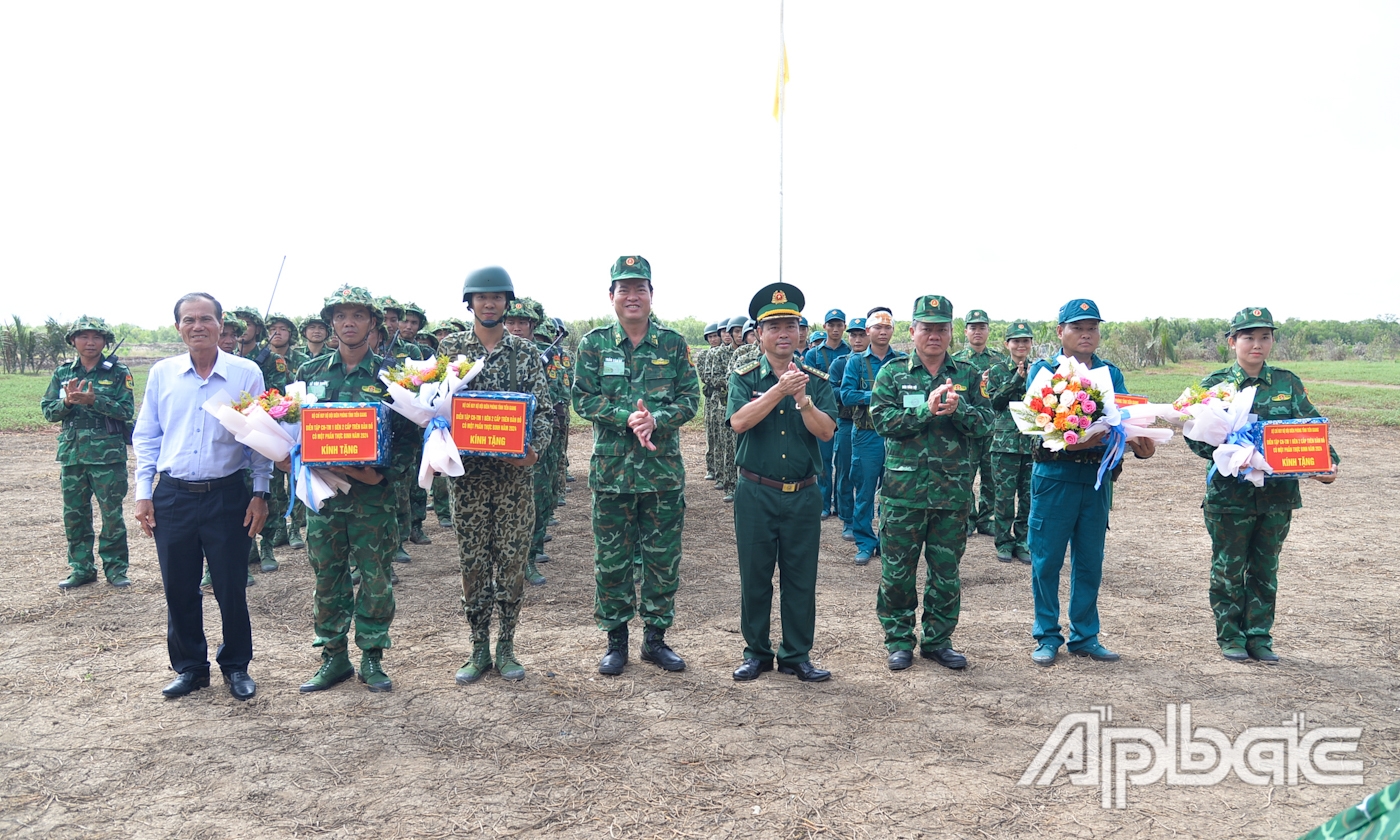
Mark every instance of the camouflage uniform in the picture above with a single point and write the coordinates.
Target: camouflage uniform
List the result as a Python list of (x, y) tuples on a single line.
[(638, 494), (713, 367), (493, 506), (1011, 463), (92, 455), (355, 531), (699, 358), (547, 467), (411, 506), (277, 504), (565, 360), (925, 492), (1248, 524), (740, 357), (275, 373), (982, 513)]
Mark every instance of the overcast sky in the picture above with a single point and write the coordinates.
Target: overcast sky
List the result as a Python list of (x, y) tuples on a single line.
[(1177, 159)]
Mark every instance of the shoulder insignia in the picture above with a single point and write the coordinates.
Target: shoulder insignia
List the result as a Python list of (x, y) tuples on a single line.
[(372, 389), (1282, 397), (747, 368), (281, 365), (129, 385), (814, 371)]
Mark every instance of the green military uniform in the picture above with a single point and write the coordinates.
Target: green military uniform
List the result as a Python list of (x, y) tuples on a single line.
[(547, 495), (285, 533), (714, 371), (983, 511), (493, 506), (565, 362), (926, 488), (778, 526), (712, 409), (638, 493), (442, 485), (304, 355), (92, 458), (1248, 524), (354, 531), (276, 375), (542, 473), (743, 356), (417, 496), (1011, 456), (411, 511)]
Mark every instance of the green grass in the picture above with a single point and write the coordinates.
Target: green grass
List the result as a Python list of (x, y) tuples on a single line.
[(21, 393)]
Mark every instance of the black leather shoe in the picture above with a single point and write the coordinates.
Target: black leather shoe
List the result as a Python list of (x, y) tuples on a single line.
[(947, 657), (187, 683), (805, 671), (240, 685), (750, 669), (901, 659)]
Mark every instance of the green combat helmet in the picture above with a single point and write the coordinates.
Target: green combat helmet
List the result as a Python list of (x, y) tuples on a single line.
[(456, 324), (524, 308), (411, 308), (232, 320), (388, 304), (274, 317), (427, 339), (88, 322), (737, 321), (357, 295), (252, 314), (490, 279), (545, 329), (312, 319), (710, 329)]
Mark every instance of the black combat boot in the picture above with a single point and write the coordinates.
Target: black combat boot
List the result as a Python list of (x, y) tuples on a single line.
[(655, 650), (616, 657)]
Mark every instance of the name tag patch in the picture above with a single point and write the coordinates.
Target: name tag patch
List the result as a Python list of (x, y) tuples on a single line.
[(613, 367), (914, 400)]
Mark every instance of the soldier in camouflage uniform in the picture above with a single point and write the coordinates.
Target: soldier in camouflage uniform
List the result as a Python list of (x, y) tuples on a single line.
[(1248, 524), (231, 335), (92, 398), (314, 333), (493, 501), (410, 325), (522, 315), (442, 486), (395, 350), (718, 369), (1011, 451), (547, 497), (280, 330), (929, 408), (354, 530), (254, 346), (745, 353), (635, 383), (978, 327), (566, 383), (713, 343)]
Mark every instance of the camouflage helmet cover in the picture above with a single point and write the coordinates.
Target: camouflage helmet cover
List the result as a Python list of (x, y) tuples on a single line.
[(356, 295), (89, 322)]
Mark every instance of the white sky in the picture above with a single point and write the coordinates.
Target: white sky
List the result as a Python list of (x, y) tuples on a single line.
[(1178, 159)]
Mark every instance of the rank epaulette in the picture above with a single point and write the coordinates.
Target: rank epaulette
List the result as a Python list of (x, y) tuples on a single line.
[(813, 371), (747, 368)]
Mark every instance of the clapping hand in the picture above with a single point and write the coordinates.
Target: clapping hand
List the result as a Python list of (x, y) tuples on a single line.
[(793, 381), (78, 393), (943, 400), (642, 424)]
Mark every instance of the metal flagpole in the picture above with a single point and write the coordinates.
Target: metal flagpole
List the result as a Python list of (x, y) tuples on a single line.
[(782, 94)]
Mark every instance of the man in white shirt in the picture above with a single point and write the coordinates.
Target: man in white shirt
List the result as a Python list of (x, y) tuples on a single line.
[(200, 507)]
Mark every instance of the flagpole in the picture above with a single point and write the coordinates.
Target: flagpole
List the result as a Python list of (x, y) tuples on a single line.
[(782, 95)]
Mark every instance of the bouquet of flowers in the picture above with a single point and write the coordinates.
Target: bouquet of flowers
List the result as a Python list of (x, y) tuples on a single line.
[(270, 425), (1222, 416), (1073, 404), (422, 392)]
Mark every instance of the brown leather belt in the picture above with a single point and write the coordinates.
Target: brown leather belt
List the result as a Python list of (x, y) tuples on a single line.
[(786, 487)]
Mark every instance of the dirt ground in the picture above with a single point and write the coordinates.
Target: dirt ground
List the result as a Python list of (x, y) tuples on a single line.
[(89, 748)]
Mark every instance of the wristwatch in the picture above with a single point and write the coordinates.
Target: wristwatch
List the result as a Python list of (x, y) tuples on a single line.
[(262, 494), (800, 406)]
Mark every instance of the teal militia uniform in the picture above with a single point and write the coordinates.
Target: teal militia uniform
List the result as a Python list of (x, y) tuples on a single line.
[(778, 526), (638, 494), (926, 490), (1248, 524), (92, 459), (823, 358), (867, 447), (983, 512), (354, 531), (1011, 463)]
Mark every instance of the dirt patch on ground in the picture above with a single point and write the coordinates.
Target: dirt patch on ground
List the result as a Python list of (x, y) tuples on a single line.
[(90, 749)]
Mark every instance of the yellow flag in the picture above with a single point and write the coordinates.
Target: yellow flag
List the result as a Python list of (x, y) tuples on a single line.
[(782, 82)]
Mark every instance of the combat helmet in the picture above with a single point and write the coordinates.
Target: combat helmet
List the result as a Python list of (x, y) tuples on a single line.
[(388, 304), (273, 317), (232, 320), (89, 322), (357, 295), (710, 329), (312, 319), (490, 279), (737, 321), (251, 313), (409, 307)]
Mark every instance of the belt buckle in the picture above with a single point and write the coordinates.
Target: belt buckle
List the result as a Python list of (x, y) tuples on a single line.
[(789, 487)]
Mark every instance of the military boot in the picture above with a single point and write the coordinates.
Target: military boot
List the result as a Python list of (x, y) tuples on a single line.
[(206, 583), (532, 575), (480, 661), (372, 672), (417, 537), (253, 555), (445, 520), (656, 651), (294, 539), (506, 663), (401, 556), (335, 669), (77, 579), (616, 657), (541, 557), (269, 560), (252, 581), (279, 535)]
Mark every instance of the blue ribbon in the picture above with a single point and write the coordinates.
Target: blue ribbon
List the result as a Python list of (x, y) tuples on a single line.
[(1113, 455), (438, 422), (1250, 433), (297, 467)]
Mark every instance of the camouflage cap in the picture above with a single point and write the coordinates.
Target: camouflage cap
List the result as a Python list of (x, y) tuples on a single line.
[(628, 268), (388, 304), (90, 322), (411, 308), (439, 327), (456, 324), (1019, 329), (977, 316), (1079, 309), (232, 320), (523, 308), (933, 309), (545, 329), (777, 300), (274, 317), (252, 314), (351, 295), (312, 319), (1250, 318), (856, 325), (427, 339)]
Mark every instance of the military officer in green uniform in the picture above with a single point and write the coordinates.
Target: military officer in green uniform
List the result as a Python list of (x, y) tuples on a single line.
[(442, 486), (1248, 524), (395, 350), (254, 345), (1011, 450), (977, 329), (930, 409), (522, 314), (231, 334), (314, 333), (716, 372), (780, 409), (280, 330), (560, 393), (493, 510), (635, 383), (712, 410), (92, 398), (354, 531)]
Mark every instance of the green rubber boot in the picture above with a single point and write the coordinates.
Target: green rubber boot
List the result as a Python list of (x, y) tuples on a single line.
[(532, 575), (294, 539), (279, 534), (335, 669), (417, 537), (372, 672), (252, 581), (401, 556), (480, 661), (206, 583), (269, 560), (505, 660)]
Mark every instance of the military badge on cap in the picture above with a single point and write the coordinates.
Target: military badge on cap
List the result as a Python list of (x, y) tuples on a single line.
[(933, 309), (1080, 309), (634, 267), (1019, 329), (1251, 317), (977, 316), (777, 300)]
